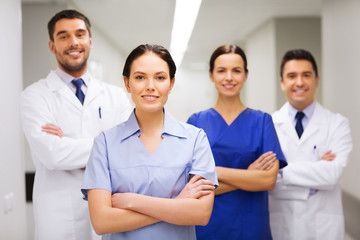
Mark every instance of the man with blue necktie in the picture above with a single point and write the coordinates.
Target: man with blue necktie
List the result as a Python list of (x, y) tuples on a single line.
[(306, 202), (61, 115)]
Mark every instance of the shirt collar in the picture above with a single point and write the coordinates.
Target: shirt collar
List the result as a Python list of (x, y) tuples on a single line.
[(171, 126), (308, 111), (67, 78)]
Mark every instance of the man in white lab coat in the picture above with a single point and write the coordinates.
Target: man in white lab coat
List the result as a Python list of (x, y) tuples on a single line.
[(306, 202), (60, 119)]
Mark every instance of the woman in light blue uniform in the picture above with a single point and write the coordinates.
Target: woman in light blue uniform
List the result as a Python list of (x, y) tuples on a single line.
[(246, 150), (151, 177)]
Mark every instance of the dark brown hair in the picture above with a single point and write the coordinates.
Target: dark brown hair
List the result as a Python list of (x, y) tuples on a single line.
[(225, 49), (68, 14), (162, 52)]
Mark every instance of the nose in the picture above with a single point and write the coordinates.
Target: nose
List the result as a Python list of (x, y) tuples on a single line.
[(74, 41), (150, 85), (299, 81), (228, 76)]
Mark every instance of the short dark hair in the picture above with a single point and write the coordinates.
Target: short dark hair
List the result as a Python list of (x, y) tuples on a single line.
[(225, 49), (159, 50), (68, 14), (298, 54)]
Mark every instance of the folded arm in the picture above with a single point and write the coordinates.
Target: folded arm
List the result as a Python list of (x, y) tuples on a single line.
[(327, 171), (128, 211), (53, 151), (230, 181), (248, 180)]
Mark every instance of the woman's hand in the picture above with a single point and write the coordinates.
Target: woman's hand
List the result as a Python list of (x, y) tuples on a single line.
[(122, 200), (264, 162), (196, 188)]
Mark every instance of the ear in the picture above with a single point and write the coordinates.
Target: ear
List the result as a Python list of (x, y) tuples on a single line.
[(90, 40), (282, 85), (211, 76), (172, 82), (127, 84), (317, 81), (52, 46)]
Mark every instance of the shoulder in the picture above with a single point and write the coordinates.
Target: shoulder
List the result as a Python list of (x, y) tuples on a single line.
[(36, 91), (179, 128), (202, 116), (257, 115), (203, 113), (327, 115)]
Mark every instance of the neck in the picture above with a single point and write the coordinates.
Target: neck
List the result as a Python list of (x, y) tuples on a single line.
[(151, 123), (300, 107), (229, 108), (229, 105), (74, 73)]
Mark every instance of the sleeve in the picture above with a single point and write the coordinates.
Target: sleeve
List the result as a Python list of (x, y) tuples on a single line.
[(53, 152), (323, 174), (270, 141), (97, 173), (203, 163), (193, 120)]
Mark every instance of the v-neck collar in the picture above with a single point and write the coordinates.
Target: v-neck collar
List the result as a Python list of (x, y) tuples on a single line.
[(237, 117)]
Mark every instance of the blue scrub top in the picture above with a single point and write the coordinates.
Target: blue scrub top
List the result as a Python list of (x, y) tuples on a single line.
[(238, 214), (120, 163)]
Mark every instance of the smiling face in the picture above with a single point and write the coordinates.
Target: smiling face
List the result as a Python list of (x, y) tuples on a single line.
[(71, 45), (149, 82), (299, 82), (228, 74)]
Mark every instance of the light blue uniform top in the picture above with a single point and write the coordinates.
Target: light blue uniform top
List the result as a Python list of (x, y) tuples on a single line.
[(120, 163)]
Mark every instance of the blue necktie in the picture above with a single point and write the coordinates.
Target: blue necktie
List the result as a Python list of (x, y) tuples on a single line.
[(299, 127), (80, 95)]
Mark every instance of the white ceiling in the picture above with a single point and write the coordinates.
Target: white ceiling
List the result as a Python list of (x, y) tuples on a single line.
[(128, 23)]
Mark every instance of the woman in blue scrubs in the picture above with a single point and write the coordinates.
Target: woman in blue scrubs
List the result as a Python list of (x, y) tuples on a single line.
[(151, 177), (246, 150)]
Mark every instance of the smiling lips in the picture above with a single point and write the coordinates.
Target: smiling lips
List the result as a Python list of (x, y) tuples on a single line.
[(299, 91), (149, 98), (229, 86), (74, 52)]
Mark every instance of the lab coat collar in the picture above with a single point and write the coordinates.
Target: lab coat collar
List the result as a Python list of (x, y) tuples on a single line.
[(55, 84), (171, 126), (286, 123)]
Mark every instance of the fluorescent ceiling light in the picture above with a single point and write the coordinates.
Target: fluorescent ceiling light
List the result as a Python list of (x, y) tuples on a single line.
[(186, 12)]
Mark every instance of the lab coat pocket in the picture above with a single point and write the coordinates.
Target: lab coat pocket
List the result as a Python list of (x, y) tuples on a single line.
[(318, 151), (329, 226), (107, 118)]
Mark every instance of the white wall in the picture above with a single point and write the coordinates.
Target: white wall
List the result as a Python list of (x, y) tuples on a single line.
[(261, 85), (341, 84), (13, 219), (193, 92)]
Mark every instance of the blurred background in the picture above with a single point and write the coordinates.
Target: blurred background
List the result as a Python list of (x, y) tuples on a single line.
[(265, 29)]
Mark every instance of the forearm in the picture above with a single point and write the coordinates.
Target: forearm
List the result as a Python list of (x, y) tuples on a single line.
[(61, 154), (224, 188), (319, 175), (106, 219), (249, 180), (183, 211)]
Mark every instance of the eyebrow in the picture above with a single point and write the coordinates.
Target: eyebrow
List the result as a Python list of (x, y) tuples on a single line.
[(139, 72), (64, 31)]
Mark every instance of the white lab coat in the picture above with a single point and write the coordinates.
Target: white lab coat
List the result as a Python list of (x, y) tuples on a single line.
[(59, 210), (294, 214)]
